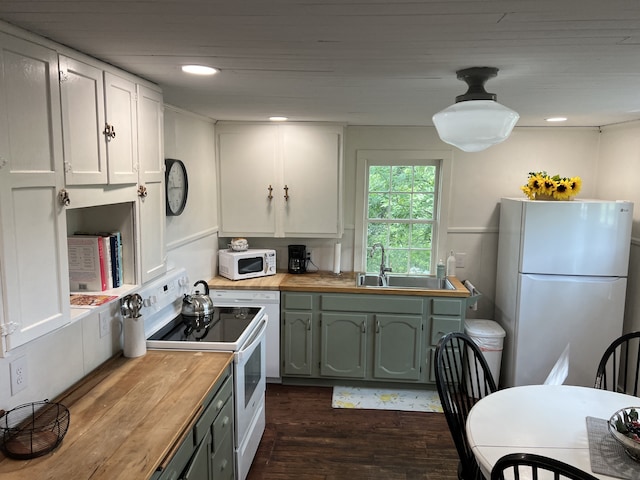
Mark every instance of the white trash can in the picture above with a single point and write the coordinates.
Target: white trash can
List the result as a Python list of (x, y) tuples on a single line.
[(489, 336)]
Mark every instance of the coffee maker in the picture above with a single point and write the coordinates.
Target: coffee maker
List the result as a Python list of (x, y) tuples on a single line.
[(297, 258)]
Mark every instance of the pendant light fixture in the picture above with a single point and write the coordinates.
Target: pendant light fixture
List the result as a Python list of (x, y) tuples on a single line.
[(476, 121)]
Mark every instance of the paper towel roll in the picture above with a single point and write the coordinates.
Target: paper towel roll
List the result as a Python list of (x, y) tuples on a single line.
[(135, 343), (336, 258)]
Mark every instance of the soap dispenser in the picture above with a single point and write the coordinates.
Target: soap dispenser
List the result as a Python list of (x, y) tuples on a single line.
[(440, 273)]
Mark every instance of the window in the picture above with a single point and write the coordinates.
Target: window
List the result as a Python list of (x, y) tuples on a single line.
[(401, 201)]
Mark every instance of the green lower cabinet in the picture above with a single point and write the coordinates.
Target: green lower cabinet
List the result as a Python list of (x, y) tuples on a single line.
[(207, 451), (363, 337), (343, 345), (397, 347), (297, 341)]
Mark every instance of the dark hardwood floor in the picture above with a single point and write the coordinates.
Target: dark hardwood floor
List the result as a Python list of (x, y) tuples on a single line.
[(305, 438)]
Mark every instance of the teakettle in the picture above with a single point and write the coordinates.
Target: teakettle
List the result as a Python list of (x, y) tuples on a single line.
[(197, 304)]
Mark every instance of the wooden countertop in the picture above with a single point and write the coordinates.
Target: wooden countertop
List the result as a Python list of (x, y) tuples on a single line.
[(126, 416), (328, 282)]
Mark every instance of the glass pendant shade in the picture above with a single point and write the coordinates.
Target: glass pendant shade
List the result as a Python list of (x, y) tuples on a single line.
[(475, 125)]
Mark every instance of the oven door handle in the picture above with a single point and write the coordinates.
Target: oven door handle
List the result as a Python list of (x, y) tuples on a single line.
[(254, 340)]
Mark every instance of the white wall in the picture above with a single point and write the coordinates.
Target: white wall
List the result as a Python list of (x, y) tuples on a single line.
[(192, 237), (619, 179)]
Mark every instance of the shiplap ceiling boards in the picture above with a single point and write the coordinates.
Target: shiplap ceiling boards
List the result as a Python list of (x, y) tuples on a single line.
[(362, 62)]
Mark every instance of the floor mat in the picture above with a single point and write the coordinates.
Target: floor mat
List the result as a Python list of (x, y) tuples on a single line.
[(386, 399)]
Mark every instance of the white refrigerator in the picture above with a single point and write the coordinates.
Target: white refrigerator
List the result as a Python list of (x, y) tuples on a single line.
[(561, 280)]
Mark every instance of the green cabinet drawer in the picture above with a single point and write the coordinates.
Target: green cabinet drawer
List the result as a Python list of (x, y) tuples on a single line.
[(446, 306), (223, 425), (222, 467), (440, 326), (203, 424), (297, 301)]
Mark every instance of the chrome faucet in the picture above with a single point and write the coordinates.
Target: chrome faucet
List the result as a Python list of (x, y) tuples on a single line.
[(383, 269)]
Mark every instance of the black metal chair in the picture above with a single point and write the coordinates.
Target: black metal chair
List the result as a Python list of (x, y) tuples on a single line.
[(516, 464), (620, 365), (462, 377)]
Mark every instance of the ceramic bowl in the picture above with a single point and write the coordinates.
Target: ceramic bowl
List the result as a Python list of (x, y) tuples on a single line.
[(239, 244), (624, 426)]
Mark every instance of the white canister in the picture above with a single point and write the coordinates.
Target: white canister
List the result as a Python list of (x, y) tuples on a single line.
[(135, 343)]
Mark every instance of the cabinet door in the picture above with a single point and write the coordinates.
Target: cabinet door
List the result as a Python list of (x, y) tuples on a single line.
[(199, 467), (121, 115), (397, 347), (33, 248), (82, 100), (152, 209), (312, 171), (247, 162), (297, 341), (343, 345)]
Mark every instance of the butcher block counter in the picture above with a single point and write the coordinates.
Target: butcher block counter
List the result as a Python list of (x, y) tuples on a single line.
[(328, 282), (127, 417)]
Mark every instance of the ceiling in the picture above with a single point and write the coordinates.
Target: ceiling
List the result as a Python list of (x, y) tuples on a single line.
[(362, 62)]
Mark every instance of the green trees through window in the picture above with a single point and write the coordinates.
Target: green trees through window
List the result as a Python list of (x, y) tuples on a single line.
[(401, 215)]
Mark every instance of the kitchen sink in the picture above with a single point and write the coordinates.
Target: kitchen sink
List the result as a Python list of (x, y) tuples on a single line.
[(402, 281)]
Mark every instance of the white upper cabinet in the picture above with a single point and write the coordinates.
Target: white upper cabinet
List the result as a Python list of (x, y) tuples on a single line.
[(121, 119), (151, 204), (33, 248), (99, 122), (312, 177), (82, 100), (280, 180)]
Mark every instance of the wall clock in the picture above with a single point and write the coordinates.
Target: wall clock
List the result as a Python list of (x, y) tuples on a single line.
[(176, 185)]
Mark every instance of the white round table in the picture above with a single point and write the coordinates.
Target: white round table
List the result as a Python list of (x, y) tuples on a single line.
[(548, 420)]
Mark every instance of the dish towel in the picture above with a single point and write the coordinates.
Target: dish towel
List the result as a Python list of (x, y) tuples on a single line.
[(607, 456)]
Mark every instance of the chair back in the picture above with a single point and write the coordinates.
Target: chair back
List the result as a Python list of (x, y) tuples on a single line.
[(528, 465), (620, 365), (462, 377)]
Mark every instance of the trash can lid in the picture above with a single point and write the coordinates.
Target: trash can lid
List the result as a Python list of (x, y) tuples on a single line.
[(483, 328)]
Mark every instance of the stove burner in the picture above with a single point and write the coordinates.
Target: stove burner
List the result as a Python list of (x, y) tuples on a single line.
[(195, 325)]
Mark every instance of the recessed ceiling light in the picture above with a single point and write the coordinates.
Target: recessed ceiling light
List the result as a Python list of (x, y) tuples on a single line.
[(199, 69), (556, 119), (278, 119)]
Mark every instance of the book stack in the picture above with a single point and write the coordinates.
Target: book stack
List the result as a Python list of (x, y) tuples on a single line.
[(95, 261)]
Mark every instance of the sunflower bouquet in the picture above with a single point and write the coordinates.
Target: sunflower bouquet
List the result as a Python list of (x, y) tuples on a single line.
[(541, 185)]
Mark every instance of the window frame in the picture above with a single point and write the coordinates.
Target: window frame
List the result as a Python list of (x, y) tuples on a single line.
[(366, 158)]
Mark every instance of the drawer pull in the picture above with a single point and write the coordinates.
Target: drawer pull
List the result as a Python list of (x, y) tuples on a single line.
[(223, 465), (225, 422), (219, 405)]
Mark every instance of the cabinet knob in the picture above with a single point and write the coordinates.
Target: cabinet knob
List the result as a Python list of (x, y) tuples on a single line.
[(63, 198), (286, 193), (109, 131), (270, 196), (142, 191)]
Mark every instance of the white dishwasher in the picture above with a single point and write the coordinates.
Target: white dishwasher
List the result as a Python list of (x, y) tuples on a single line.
[(270, 300)]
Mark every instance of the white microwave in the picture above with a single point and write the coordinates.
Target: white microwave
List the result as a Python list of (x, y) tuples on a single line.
[(250, 263)]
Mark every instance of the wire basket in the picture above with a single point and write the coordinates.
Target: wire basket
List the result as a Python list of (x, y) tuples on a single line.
[(33, 429)]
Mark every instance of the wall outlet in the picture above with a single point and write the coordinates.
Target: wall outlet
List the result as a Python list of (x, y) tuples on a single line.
[(18, 372), (308, 254), (105, 323), (460, 260)]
